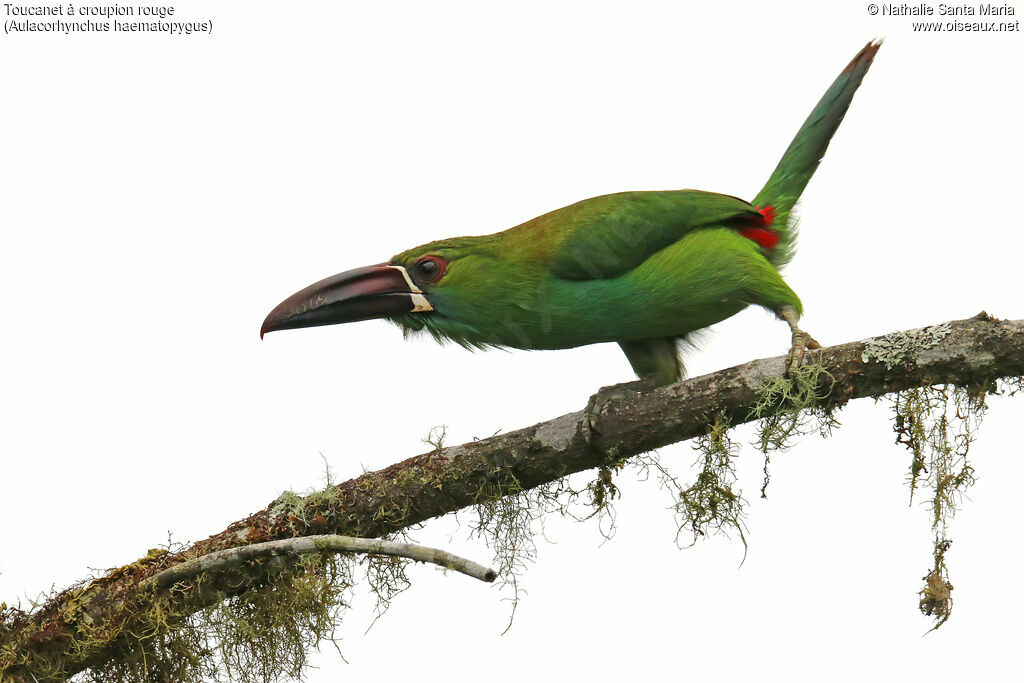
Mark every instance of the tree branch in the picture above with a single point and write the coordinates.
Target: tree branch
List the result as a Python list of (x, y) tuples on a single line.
[(967, 352), (233, 558)]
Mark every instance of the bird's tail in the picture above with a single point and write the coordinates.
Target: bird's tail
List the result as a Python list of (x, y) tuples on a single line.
[(801, 159)]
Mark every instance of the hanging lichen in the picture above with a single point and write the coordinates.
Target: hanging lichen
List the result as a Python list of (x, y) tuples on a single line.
[(790, 406), (506, 519), (711, 504), (937, 424)]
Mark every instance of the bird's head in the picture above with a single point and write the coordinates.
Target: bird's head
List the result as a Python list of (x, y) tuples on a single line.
[(429, 288)]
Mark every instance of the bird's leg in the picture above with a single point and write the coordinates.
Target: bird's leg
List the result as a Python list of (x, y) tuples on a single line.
[(801, 340)]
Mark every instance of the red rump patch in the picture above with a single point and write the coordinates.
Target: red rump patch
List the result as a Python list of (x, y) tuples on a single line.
[(765, 238)]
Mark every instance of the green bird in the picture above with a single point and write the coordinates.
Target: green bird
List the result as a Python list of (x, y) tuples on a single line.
[(642, 269)]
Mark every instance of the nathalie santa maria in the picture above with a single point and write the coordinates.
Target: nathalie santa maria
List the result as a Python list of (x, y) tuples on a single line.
[(925, 10)]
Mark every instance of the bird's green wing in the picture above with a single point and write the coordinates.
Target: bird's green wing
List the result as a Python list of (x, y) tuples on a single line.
[(607, 236)]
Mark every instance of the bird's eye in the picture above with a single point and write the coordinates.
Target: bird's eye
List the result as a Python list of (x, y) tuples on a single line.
[(429, 269)]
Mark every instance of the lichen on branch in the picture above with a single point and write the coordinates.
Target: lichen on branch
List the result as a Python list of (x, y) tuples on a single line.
[(115, 624)]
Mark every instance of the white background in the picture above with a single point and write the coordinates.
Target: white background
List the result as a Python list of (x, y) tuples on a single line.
[(160, 194)]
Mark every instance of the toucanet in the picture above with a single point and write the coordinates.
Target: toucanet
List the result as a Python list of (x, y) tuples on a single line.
[(642, 269)]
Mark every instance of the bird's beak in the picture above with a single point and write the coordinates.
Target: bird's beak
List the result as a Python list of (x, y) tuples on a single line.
[(361, 294)]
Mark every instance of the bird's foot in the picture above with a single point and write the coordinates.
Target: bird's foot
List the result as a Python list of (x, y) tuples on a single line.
[(801, 342), (604, 396)]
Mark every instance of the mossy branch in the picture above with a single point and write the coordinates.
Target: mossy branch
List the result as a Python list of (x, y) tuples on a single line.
[(93, 624), (233, 558)]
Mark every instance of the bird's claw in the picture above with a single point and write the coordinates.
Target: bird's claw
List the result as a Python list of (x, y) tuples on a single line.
[(592, 413), (801, 342), (590, 417), (604, 396)]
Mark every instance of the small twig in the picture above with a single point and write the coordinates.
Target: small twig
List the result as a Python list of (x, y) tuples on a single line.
[(328, 543)]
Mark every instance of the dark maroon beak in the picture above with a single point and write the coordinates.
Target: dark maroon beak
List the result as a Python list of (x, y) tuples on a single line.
[(361, 294)]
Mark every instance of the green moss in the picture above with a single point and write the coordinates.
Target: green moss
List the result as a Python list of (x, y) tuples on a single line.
[(309, 511)]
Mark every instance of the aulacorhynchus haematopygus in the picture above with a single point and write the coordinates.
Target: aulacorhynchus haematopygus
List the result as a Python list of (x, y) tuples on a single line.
[(643, 269)]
